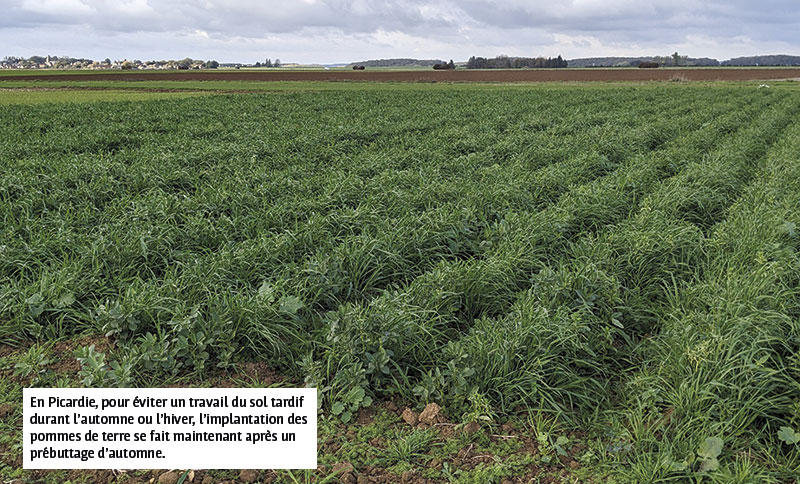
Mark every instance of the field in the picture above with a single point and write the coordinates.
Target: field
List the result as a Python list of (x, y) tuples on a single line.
[(421, 75), (38, 95), (593, 283)]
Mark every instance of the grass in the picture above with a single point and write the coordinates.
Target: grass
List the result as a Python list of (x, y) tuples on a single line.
[(25, 96), (54, 86), (610, 270)]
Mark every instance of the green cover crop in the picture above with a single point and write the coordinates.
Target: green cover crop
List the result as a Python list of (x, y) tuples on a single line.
[(625, 259)]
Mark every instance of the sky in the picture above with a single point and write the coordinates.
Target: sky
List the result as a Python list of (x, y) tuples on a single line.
[(334, 31)]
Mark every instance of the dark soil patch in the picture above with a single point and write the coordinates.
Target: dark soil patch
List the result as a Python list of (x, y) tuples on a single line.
[(461, 75), (6, 350), (64, 360)]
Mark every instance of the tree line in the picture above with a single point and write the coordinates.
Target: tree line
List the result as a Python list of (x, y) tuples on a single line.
[(268, 63), (764, 60), (506, 62)]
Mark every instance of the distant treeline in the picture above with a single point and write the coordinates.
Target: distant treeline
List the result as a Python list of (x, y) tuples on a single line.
[(635, 61), (684, 61), (398, 63), (764, 60), (505, 62)]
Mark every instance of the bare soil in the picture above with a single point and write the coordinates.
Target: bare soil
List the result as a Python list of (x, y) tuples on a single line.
[(520, 75)]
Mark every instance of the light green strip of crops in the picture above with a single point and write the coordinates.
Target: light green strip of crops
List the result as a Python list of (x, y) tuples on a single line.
[(293, 86), (20, 96), (283, 86)]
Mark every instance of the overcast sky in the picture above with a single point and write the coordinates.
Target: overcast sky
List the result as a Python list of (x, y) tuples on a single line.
[(329, 31)]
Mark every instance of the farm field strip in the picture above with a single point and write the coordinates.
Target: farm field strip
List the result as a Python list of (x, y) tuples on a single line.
[(306, 272), (27, 96), (460, 75), (178, 180), (54, 91), (660, 204), (577, 187), (98, 257), (620, 276), (454, 294), (723, 356), (620, 261), (399, 253)]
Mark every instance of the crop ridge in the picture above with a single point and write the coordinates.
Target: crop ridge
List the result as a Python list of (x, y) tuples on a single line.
[(558, 177), (480, 267), (581, 256), (720, 361)]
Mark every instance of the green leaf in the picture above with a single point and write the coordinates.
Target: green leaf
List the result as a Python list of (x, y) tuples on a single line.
[(346, 416), (337, 408), (290, 305), (35, 305), (788, 435), (709, 465), (184, 476), (266, 293), (679, 466), (65, 300), (789, 228), (711, 448)]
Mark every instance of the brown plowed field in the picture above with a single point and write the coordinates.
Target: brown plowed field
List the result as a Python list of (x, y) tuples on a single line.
[(720, 74)]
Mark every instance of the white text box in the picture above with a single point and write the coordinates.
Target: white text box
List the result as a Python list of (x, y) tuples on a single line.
[(169, 428)]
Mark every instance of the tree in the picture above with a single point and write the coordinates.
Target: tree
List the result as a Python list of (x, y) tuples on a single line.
[(676, 58), (505, 62), (268, 63), (451, 64), (277, 63), (212, 64)]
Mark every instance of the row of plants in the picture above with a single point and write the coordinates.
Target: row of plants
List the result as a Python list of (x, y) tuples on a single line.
[(623, 260)]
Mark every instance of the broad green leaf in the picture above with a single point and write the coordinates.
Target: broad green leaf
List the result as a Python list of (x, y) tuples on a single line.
[(709, 465), (711, 448), (337, 408), (35, 305), (266, 293), (679, 466), (65, 300), (788, 435), (290, 305), (789, 228)]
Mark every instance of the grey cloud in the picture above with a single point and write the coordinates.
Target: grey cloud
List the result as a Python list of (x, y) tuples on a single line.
[(314, 30)]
